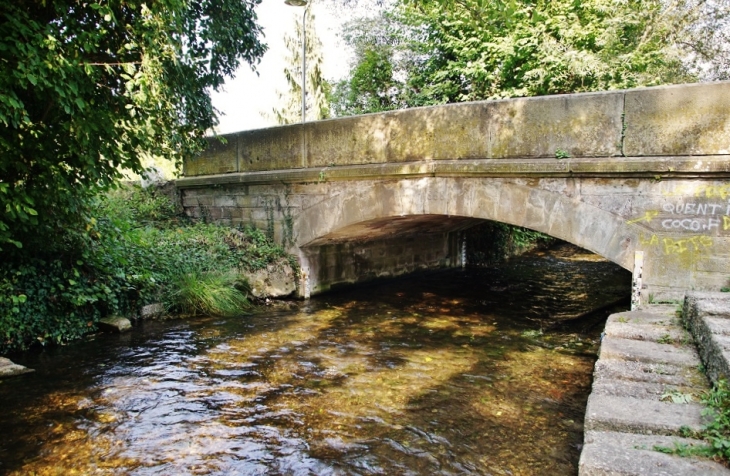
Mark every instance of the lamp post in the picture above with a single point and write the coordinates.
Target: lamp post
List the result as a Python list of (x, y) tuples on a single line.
[(302, 3)]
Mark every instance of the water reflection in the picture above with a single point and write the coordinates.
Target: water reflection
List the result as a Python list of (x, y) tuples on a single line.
[(447, 373)]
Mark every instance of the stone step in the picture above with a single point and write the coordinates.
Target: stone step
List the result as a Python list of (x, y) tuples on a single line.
[(648, 365), (663, 331), (622, 454), (649, 352), (662, 373), (653, 391), (635, 415), (653, 317)]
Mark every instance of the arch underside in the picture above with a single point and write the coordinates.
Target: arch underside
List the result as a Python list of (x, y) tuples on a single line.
[(384, 228)]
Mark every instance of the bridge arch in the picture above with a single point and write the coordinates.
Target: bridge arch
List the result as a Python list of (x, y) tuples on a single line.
[(616, 172), (381, 214)]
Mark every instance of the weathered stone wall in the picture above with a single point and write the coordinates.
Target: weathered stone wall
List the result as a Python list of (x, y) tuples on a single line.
[(674, 121), (683, 226), (648, 171), (356, 261)]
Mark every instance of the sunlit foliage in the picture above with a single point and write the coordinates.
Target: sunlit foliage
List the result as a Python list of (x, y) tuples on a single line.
[(85, 87), (425, 52)]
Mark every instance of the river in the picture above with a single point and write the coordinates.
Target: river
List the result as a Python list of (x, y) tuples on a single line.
[(470, 371)]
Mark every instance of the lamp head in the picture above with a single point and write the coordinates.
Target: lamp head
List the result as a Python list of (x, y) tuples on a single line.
[(296, 3)]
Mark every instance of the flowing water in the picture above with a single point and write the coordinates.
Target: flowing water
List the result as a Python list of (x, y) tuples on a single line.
[(453, 372)]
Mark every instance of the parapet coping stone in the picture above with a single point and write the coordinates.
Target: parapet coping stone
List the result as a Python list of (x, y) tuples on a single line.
[(645, 358)]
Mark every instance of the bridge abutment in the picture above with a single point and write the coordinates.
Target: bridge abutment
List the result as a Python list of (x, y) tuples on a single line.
[(333, 265)]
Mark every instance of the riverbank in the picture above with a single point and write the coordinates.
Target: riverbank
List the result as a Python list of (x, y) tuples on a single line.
[(137, 249), (645, 413)]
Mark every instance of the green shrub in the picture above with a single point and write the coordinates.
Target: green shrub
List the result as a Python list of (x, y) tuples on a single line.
[(716, 434), (133, 252)]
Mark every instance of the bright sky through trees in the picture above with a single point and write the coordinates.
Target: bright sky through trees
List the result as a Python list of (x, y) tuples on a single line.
[(248, 95)]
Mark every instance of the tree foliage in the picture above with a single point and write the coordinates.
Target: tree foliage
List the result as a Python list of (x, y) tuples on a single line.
[(372, 85), (86, 87), (464, 50)]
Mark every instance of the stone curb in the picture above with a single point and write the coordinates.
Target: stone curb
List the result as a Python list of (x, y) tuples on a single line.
[(707, 316)]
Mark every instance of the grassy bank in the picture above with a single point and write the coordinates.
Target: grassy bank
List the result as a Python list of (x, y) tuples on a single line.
[(137, 249)]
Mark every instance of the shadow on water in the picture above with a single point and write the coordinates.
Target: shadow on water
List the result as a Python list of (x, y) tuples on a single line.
[(455, 372)]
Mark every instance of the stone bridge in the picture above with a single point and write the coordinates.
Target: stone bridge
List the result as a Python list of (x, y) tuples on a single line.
[(640, 177)]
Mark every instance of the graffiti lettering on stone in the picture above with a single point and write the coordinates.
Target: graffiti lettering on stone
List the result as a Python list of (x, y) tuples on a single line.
[(648, 217), (686, 225), (697, 243), (703, 190)]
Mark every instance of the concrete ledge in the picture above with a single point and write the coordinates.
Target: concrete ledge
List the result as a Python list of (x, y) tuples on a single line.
[(615, 167), (632, 409)]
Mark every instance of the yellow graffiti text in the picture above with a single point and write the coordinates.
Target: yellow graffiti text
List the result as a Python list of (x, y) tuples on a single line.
[(709, 191), (648, 217), (653, 241), (684, 245)]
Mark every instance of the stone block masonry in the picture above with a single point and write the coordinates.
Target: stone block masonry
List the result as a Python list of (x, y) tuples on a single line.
[(672, 121), (616, 172)]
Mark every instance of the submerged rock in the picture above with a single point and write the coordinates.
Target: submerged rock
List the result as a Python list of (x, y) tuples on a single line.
[(10, 369), (115, 324)]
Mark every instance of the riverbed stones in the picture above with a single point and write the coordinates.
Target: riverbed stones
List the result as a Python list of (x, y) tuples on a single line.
[(115, 324), (10, 369), (647, 387)]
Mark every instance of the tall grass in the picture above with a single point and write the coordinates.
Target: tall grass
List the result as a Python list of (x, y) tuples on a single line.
[(207, 293)]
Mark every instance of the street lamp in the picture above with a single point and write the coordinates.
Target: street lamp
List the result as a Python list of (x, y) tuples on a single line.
[(302, 3)]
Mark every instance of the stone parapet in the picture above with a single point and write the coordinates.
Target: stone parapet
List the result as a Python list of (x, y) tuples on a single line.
[(671, 121)]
